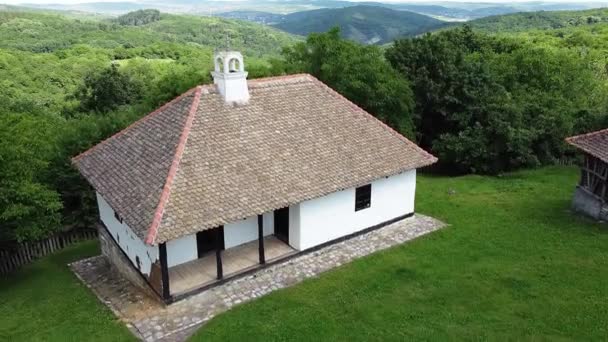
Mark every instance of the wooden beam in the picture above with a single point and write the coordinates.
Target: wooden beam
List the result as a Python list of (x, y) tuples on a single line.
[(261, 239), (164, 270), (218, 252)]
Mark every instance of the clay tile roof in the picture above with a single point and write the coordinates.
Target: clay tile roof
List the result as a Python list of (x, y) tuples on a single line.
[(594, 143), (197, 162)]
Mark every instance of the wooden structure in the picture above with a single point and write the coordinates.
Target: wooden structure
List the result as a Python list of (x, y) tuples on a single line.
[(591, 193), (13, 257)]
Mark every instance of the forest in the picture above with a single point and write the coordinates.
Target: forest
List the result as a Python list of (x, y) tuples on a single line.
[(482, 102)]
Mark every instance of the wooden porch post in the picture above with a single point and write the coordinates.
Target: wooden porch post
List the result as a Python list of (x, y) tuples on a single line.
[(261, 239), (164, 270), (218, 252)]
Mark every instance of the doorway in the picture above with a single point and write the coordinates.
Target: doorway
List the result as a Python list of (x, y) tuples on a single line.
[(209, 240), (281, 224)]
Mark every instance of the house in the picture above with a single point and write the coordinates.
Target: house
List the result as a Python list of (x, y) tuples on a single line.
[(591, 195), (233, 176)]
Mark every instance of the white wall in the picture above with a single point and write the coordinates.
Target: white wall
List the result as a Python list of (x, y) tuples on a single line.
[(294, 226), (182, 250), (130, 243), (243, 231), (333, 216)]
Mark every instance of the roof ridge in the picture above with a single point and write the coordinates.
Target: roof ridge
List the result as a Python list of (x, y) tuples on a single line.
[(256, 82), (137, 122), (374, 119), (177, 157), (585, 135)]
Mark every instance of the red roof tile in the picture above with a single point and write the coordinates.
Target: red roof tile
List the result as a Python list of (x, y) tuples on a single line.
[(594, 143), (198, 162)]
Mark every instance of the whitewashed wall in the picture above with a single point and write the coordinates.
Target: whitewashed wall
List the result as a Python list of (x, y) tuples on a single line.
[(182, 250), (333, 216), (243, 231), (294, 226), (130, 243)]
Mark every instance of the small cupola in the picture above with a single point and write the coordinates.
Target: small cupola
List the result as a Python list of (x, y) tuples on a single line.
[(230, 76)]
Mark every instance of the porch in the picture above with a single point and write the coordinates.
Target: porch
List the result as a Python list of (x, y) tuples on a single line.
[(206, 270)]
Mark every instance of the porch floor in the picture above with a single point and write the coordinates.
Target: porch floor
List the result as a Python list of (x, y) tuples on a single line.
[(200, 272)]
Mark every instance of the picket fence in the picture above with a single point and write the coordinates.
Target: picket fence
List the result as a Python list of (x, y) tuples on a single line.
[(13, 257)]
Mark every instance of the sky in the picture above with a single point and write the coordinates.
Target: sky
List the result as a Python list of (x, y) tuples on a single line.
[(15, 2)]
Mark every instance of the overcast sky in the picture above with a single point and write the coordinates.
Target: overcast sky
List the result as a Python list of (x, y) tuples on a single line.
[(13, 2)]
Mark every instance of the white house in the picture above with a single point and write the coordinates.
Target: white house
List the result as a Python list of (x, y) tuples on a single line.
[(236, 175)]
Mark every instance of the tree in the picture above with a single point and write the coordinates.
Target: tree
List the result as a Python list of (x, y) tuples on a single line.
[(488, 104), (107, 90), (29, 208), (139, 17), (358, 72)]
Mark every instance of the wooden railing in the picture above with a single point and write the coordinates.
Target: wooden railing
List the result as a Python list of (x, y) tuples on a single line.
[(15, 256)]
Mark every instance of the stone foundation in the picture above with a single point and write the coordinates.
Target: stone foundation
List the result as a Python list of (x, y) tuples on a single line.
[(586, 203), (115, 256), (152, 321)]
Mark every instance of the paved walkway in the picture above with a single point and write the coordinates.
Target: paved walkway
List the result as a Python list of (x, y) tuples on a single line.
[(151, 321)]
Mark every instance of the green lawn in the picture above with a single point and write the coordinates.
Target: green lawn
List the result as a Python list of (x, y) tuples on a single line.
[(514, 264), (45, 302)]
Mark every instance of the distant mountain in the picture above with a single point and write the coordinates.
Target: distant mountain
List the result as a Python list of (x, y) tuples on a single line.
[(259, 17), (541, 20), (96, 7), (365, 24), (444, 10)]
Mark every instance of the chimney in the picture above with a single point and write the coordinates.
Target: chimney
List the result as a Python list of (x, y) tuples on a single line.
[(230, 77)]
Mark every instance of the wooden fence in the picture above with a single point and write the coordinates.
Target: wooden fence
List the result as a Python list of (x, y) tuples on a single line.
[(11, 258)]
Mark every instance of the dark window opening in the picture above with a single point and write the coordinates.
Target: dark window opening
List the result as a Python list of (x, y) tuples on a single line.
[(363, 197), (118, 218), (138, 262)]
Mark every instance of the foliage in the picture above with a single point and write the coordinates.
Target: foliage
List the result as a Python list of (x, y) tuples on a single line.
[(358, 72), (490, 104), (29, 208), (138, 18), (365, 24), (513, 264), (37, 32), (540, 20), (56, 73), (107, 90)]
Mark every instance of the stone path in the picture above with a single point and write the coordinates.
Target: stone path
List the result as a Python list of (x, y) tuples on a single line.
[(151, 321)]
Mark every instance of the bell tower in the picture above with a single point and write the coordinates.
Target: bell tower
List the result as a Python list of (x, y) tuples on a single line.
[(230, 76)]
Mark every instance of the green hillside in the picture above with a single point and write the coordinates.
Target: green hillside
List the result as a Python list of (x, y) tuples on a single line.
[(541, 20), (365, 24), (41, 32)]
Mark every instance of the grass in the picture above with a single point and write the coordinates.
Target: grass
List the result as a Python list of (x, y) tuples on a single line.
[(45, 302), (515, 264)]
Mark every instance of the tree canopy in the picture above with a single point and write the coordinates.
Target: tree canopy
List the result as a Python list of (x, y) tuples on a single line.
[(489, 104)]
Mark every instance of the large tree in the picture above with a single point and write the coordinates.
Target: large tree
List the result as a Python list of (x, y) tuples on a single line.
[(488, 104), (29, 208), (107, 90)]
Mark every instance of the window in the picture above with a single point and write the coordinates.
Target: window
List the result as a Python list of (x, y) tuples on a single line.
[(363, 197), (118, 218)]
